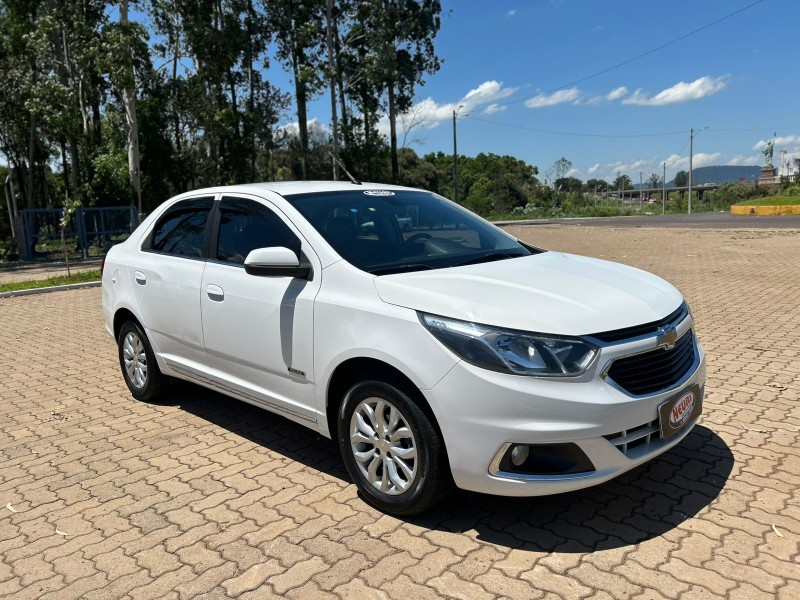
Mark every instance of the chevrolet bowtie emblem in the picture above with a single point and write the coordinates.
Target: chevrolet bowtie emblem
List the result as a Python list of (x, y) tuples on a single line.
[(667, 336)]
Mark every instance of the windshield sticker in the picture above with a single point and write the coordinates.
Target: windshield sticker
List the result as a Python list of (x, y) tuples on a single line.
[(378, 193)]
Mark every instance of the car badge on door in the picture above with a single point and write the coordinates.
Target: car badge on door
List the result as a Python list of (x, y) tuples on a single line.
[(667, 336)]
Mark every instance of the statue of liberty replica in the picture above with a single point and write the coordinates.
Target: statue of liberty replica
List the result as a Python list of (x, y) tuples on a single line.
[(768, 175)]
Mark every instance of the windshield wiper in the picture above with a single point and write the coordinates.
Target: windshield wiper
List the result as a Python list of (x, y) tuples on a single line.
[(491, 256), (400, 269)]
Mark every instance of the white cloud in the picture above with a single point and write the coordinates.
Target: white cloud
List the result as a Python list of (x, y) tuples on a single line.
[(493, 108), (740, 160), (430, 113), (680, 92), (560, 97), (627, 168), (611, 96), (783, 140), (573, 172), (617, 93), (488, 91), (675, 163), (700, 159), (293, 129), (512, 12)]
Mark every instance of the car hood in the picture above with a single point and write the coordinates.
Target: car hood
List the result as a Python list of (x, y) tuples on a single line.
[(549, 292)]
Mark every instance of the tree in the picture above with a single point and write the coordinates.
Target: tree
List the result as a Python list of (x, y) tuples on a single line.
[(103, 110), (681, 179), (562, 166), (480, 196), (407, 55), (601, 185), (654, 181), (300, 35), (568, 184), (622, 182), (129, 99), (332, 76)]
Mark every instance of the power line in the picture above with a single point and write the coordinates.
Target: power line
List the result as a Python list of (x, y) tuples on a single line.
[(577, 134), (627, 135), (635, 58), (777, 128), (684, 146)]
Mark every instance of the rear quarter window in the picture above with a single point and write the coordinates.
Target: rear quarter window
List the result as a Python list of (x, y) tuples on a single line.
[(181, 230)]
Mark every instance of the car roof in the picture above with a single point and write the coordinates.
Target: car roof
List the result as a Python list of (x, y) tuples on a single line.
[(286, 188)]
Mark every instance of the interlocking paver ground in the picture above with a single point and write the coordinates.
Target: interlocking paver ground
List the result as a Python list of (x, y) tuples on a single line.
[(105, 497)]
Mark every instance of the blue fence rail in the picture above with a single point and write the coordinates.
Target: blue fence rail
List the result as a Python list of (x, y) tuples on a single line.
[(91, 231)]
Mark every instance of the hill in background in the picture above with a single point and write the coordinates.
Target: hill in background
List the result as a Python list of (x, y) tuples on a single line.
[(722, 174)]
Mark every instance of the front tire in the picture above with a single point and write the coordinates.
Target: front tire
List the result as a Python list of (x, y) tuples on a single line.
[(391, 448), (138, 363)]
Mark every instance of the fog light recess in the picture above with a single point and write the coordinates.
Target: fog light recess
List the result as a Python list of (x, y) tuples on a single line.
[(545, 459), (519, 454)]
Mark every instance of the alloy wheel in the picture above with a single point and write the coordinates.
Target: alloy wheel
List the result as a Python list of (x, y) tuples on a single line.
[(383, 445), (135, 358)]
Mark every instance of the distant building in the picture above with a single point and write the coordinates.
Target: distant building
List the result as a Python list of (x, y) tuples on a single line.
[(789, 164)]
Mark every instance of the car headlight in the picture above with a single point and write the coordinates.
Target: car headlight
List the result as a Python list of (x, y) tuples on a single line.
[(513, 352)]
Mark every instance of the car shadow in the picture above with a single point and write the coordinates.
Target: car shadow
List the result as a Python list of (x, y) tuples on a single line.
[(639, 505), (270, 430)]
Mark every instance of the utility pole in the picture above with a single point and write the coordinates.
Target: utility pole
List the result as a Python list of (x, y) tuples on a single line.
[(691, 151), (641, 186), (455, 155), (664, 189)]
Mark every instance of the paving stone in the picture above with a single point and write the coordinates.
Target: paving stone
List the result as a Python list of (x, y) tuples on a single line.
[(252, 578), (297, 575), (450, 586), (202, 496)]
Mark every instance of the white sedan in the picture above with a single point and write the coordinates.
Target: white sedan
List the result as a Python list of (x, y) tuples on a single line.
[(445, 352)]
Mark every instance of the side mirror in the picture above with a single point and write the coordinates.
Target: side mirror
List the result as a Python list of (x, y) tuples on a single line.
[(275, 262)]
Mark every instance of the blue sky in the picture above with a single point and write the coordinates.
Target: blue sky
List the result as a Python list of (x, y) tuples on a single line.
[(740, 74)]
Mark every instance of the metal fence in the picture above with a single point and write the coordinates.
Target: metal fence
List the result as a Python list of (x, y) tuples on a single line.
[(91, 231)]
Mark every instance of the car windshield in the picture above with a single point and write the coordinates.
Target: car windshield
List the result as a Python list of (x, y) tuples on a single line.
[(383, 231)]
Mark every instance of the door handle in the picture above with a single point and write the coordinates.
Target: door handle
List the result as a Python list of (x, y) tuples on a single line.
[(215, 293), (140, 277)]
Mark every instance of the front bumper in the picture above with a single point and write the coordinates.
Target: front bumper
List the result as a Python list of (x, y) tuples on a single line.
[(481, 412)]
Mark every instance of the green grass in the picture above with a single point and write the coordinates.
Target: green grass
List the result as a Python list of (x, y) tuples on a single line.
[(79, 277), (771, 201)]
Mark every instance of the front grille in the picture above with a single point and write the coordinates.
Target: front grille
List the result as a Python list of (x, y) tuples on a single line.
[(628, 333), (655, 370), (629, 439)]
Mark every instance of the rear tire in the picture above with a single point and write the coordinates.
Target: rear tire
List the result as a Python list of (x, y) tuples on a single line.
[(391, 448), (138, 363)]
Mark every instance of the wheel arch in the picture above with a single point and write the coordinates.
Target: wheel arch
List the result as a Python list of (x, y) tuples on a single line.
[(352, 370), (121, 315)]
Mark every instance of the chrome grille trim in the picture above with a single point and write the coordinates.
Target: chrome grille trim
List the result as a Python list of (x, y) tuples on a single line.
[(639, 332)]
